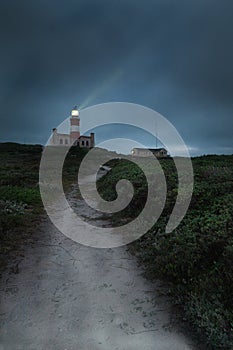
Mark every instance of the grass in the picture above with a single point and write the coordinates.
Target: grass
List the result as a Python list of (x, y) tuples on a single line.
[(196, 258), (20, 201)]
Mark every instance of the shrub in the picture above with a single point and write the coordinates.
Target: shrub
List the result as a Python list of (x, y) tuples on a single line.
[(25, 195), (197, 256)]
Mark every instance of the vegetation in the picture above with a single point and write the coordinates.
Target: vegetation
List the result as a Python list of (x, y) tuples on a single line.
[(197, 257), (19, 194), (20, 202)]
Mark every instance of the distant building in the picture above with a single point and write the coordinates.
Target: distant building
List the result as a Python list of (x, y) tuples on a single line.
[(146, 152), (74, 137)]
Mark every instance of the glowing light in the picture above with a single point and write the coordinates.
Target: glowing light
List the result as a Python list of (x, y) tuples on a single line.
[(75, 113)]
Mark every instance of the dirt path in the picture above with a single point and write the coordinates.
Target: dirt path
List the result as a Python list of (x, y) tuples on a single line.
[(65, 296)]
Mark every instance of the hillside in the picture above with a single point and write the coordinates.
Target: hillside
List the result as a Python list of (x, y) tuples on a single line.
[(197, 257), (20, 202)]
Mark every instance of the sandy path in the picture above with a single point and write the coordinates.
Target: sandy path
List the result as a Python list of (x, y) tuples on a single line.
[(66, 296)]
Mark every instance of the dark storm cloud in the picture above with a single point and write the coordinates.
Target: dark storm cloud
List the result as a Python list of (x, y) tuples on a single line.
[(174, 56)]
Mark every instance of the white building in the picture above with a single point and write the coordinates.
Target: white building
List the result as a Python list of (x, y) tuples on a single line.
[(74, 137), (146, 152)]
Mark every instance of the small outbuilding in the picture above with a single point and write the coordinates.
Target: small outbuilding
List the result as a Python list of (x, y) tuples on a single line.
[(148, 152)]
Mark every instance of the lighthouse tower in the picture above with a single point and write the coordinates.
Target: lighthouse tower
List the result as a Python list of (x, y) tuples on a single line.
[(73, 138), (74, 126)]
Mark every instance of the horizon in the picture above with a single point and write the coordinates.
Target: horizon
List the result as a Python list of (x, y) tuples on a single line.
[(175, 58), (111, 150)]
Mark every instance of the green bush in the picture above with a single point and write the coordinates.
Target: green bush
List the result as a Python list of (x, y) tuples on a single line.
[(25, 195)]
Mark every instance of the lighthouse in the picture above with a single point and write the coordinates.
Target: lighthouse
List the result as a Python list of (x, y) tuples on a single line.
[(73, 138), (74, 125)]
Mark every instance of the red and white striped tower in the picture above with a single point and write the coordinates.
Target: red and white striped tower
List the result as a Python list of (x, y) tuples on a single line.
[(74, 125)]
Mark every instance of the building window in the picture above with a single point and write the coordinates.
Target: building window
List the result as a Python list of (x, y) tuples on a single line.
[(87, 143), (61, 142), (83, 143), (66, 141)]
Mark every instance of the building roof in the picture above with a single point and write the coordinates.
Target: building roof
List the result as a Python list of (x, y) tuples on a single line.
[(65, 135), (150, 149), (84, 137), (68, 135)]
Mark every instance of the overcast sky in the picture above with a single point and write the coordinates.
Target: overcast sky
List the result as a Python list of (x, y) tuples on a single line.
[(173, 56)]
